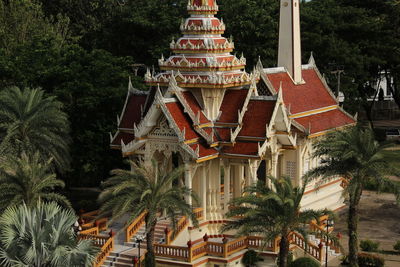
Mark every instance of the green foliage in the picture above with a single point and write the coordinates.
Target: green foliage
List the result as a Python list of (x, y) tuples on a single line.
[(273, 213), (32, 122), (397, 246), (146, 188), (27, 180), (60, 45), (22, 23), (140, 28), (42, 236), (250, 258), (355, 155), (358, 36), (370, 260), (369, 245), (254, 29), (304, 262), (93, 86)]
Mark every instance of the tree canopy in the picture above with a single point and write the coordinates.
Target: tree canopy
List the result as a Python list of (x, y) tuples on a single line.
[(83, 52)]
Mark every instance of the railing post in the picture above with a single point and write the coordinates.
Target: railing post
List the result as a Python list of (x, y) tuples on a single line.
[(190, 251), (225, 247), (166, 232)]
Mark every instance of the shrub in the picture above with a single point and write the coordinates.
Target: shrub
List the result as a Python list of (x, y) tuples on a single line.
[(397, 246), (344, 260), (370, 260), (304, 262), (250, 258), (369, 245)]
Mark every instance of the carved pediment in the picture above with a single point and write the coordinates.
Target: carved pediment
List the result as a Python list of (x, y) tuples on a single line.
[(162, 130)]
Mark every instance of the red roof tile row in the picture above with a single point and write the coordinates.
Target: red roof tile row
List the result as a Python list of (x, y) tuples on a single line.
[(325, 121), (242, 148), (133, 111), (303, 97), (233, 102), (204, 151), (194, 105), (257, 116), (182, 120), (125, 137)]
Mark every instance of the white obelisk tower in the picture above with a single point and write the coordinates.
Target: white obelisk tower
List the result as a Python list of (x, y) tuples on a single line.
[(289, 54)]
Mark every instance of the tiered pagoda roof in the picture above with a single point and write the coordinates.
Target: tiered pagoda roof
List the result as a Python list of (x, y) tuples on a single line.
[(251, 116), (201, 57)]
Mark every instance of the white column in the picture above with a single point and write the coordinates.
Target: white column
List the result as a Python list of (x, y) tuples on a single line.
[(274, 167), (188, 182), (203, 188), (227, 184), (299, 166), (253, 171), (236, 181), (241, 178)]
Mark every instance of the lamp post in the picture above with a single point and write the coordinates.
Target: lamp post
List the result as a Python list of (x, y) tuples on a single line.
[(329, 223), (139, 239)]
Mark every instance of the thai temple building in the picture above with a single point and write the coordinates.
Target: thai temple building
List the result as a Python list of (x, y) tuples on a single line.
[(229, 128)]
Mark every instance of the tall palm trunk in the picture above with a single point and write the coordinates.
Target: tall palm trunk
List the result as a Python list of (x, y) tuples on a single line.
[(150, 260), (283, 250), (352, 224)]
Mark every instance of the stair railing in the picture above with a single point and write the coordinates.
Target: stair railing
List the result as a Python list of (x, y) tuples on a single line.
[(105, 243), (134, 227), (180, 226)]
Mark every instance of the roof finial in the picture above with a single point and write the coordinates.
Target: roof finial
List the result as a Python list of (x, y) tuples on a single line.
[(311, 60), (130, 86)]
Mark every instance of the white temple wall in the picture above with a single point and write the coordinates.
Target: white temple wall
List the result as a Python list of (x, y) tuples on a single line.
[(329, 197)]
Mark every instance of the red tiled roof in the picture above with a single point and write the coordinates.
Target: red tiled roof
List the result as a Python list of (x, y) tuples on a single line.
[(182, 120), (194, 105), (216, 40), (126, 137), (257, 116), (199, 22), (242, 148), (325, 121), (224, 134), (200, 2), (232, 102), (204, 151), (303, 97), (132, 112)]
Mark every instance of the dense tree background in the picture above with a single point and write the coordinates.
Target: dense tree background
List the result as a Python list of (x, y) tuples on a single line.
[(82, 51)]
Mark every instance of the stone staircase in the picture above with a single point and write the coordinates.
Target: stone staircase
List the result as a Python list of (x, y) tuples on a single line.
[(123, 255), (331, 252)]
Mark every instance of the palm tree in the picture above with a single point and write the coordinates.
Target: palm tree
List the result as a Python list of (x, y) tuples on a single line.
[(26, 180), (272, 213), (357, 157), (146, 188), (31, 122), (42, 236)]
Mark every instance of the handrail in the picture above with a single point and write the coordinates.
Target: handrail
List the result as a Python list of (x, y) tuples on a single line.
[(134, 227), (101, 224), (105, 251), (90, 231), (313, 250), (209, 248), (169, 251), (198, 212), (226, 249), (105, 243), (181, 225)]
